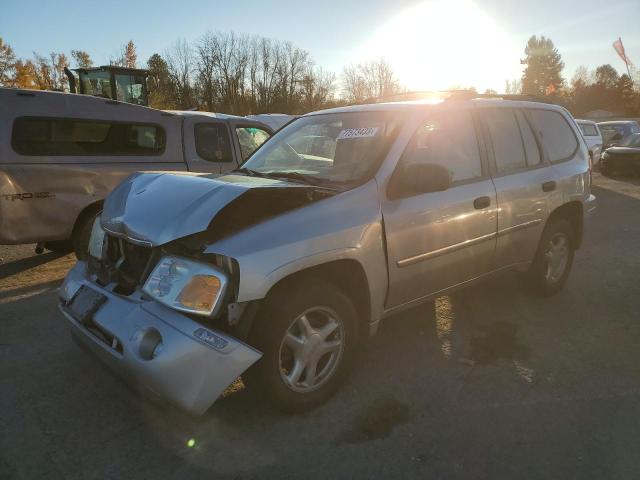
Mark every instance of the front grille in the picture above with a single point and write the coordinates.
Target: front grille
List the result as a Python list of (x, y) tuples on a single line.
[(124, 263)]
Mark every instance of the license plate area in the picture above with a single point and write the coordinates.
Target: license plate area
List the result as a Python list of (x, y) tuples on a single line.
[(85, 303)]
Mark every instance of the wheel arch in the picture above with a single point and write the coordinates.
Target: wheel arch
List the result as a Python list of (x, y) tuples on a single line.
[(573, 213), (346, 274)]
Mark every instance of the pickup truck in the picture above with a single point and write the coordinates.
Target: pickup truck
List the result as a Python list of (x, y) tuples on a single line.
[(343, 218), (61, 154)]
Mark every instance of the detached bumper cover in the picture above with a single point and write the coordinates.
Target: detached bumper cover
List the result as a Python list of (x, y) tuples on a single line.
[(190, 368)]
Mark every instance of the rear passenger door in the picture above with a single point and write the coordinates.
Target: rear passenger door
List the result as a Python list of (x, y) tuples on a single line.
[(208, 146), (440, 239), (524, 183)]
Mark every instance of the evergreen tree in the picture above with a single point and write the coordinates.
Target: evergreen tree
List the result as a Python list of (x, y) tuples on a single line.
[(542, 75)]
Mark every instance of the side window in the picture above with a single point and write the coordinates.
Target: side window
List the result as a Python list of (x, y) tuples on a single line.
[(250, 139), (529, 141), (556, 134), (447, 139), (212, 142), (588, 129), (507, 143), (78, 137)]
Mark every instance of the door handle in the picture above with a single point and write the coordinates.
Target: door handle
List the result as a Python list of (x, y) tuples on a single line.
[(481, 202), (549, 186)]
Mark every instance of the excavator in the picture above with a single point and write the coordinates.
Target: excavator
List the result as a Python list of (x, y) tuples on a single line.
[(121, 84)]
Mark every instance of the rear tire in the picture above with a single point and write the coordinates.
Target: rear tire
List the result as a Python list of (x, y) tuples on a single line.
[(554, 258), (302, 366), (82, 233)]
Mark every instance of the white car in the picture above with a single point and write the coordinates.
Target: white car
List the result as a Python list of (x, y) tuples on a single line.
[(593, 137)]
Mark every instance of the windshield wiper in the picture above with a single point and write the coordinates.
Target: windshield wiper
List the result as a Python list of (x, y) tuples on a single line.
[(296, 176), (249, 172)]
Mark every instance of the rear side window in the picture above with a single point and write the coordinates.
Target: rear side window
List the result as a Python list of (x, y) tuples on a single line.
[(447, 139), (212, 142), (556, 134), (250, 138), (507, 143), (588, 129), (78, 137), (529, 141)]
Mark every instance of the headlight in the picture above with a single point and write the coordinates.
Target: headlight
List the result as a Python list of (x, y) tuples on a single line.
[(186, 285), (96, 240)]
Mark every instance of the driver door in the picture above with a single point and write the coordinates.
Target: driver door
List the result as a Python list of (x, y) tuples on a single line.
[(437, 240)]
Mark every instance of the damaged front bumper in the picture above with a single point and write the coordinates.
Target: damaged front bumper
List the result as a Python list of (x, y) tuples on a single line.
[(155, 348)]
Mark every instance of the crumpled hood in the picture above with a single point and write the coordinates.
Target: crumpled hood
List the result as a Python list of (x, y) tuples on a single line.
[(156, 208)]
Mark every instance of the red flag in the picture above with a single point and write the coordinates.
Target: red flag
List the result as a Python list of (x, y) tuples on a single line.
[(619, 48)]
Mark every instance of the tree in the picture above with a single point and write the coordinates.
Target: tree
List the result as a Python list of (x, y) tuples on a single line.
[(48, 73), (369, 80), (82, 59), (127, 57), (627, 96), (606, 76), (7, 63), (180, 64), (542, 74), (161, 88), (24, 75), (513, 87)]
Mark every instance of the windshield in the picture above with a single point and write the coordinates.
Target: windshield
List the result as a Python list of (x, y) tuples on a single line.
[(339, 148), (631, 141)]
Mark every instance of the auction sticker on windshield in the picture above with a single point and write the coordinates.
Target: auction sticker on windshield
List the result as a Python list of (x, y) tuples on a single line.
[(364, 132)]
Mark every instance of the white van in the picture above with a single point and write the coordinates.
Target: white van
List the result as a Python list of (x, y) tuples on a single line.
[(593, 138)]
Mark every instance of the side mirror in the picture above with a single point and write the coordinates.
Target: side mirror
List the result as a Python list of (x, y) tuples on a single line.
[(417, 178)]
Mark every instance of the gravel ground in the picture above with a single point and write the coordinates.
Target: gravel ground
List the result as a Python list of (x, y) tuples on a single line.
[(491, 383)]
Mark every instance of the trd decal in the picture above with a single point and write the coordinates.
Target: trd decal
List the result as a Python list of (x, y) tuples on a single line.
[(27, 196)]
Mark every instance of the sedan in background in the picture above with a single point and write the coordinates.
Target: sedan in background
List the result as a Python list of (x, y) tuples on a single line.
[(616, 131), (623, 158)]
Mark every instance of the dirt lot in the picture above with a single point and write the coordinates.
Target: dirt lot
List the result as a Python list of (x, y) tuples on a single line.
[(554, 391)]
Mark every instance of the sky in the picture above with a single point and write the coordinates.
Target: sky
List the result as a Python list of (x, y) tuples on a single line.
[(432, 44)]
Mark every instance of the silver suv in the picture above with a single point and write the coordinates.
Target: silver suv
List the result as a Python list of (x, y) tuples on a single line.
[(340, 220)]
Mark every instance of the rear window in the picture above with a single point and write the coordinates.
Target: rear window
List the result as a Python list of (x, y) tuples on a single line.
[(556, 134), (212, 142), (588, 129), (78, 137)]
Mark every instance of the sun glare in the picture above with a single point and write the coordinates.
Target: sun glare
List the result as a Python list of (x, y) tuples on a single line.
[(442, 44)]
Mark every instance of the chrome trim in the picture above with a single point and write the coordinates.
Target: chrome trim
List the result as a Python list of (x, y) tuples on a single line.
[(444, 250), (135, 241), (520, 226)]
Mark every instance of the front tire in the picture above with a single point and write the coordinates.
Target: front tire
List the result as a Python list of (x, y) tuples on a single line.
[(82, 234), (307, 334), (554, 258)]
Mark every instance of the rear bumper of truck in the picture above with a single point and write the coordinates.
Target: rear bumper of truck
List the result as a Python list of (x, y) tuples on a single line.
[(156, 349)]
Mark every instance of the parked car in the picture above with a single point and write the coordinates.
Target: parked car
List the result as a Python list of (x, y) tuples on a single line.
[(61, 154), (615, 131), (592, 137), (283, 266), (623, 158)]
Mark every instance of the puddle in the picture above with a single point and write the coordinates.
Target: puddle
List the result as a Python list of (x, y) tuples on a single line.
[(378, 421), (498, 341)]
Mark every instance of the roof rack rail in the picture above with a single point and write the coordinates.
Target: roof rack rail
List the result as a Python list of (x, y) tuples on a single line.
[(455, 95)]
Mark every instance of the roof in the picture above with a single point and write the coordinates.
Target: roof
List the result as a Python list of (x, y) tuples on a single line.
[(618, 122), (199, 113), (427, 103)]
